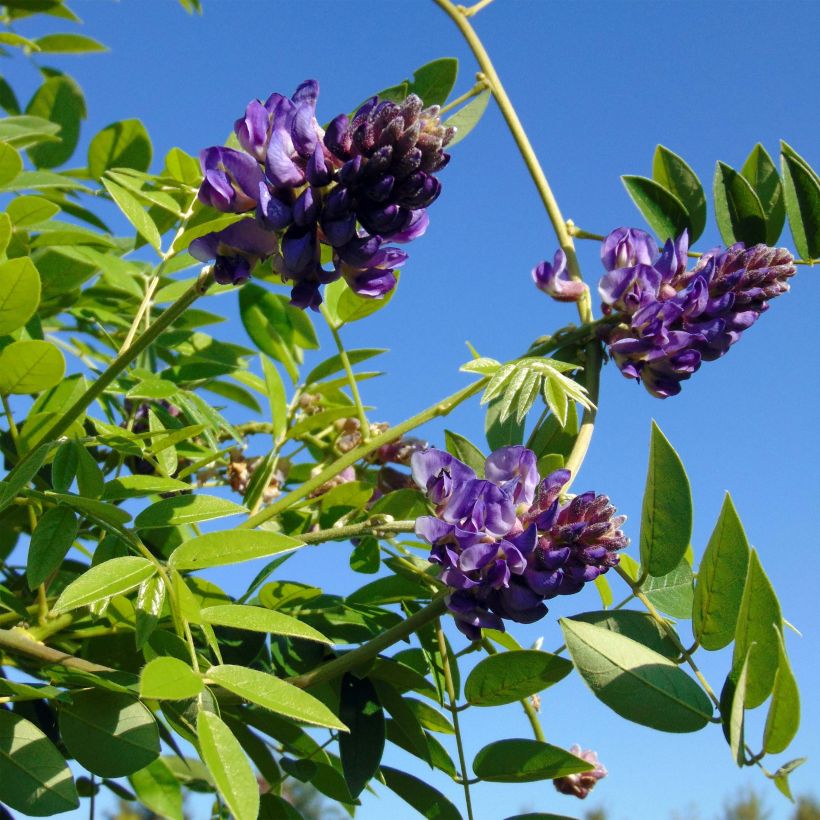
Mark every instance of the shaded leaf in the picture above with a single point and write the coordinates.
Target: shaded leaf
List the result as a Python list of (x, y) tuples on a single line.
[(52, 539), (124, 144), (673, 173), (738, 210), (523, 761), (426, 800), (30, 366), (510, 676), (783, 719), (664, 212), (362, 746), (762, 175), (802, 194)]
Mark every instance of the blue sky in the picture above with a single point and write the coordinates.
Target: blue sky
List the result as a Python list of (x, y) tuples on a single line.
[(597, 86)]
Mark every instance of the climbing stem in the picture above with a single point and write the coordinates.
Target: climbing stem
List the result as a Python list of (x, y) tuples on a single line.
[(451, 697)]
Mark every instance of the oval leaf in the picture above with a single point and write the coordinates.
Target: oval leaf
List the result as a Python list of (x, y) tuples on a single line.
[(135, 213), (511, 676), (34, 777), (158, 789), (30, 366), (110, 733), (670, 170), (259, 619), (523, 761), (426, 800), (664, 212), (783, 719), (60, 100), (762, 175), (721, 576), (666, 516), (52, 539), (114, 577), (757, 623), (233, 547), (169, 679), (186, 509), (230, 769), (639, 684), (738, 210), (274, 694), (19, 293), (123, 144), (467, 117), (802, 191), (361, 747)]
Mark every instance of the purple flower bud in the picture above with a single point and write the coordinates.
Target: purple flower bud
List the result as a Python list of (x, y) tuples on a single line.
[(554, 280), (627, 247)]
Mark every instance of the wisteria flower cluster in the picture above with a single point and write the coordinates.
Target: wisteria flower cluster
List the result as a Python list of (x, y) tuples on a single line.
[(674, 319), (508, 542), (363, 183)]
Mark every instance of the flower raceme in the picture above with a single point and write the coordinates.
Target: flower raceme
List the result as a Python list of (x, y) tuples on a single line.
[(673, 319), (508, 542), (581, 784), (363, 184)]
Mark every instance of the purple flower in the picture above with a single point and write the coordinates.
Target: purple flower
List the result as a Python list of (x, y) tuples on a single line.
[(554, 280), (506, 543), (672, 320), (627, 247), (231, 180), (581, 784), (235, 250)]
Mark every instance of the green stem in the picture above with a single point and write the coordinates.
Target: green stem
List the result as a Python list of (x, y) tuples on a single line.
[(372, 648), (451, 697), (142, 342), (460, 15), (17, 643), (481, 85), (351, 379), (441, 408), (352, 530)]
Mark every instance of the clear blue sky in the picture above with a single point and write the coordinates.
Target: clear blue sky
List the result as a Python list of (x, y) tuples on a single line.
[(597, 85)]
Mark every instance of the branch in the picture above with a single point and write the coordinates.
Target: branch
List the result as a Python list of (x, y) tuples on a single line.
[(19, 644)]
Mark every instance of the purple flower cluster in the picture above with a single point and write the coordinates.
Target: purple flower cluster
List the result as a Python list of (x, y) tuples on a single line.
[(582, 783), (506, 543), (673, 319), (364, 183)]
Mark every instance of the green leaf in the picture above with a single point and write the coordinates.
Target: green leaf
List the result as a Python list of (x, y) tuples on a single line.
[(25, 211), (114, 577), (334, 363), (639, 626), (60, 100), (158, 789), (34, 777), (68, 44), (228, 766), (464, 450), (672, 593), (10, 489), (405, 718), (426, 800), (135, 213), (721, 577), (259, 619), (186, 509), (664, 212), (134, 486), (783, 719), (345, 306), (182, 167), (510, 676), (362, 746), (666, 516), (97, 511), (738, 209), (276, 397), (232, 547), (169, 679), (467, 117), (124, 144), (434, 81), (501, 433), (110, 733), (272, 693), (30, 366), (523, 761), (736, 713), (90, 479), (10, 163), (19, 293), (781, 776), (761, 174), (670, 171), (52, 539), (639, 684), (802, 192), (148, 609), (757, 623)]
